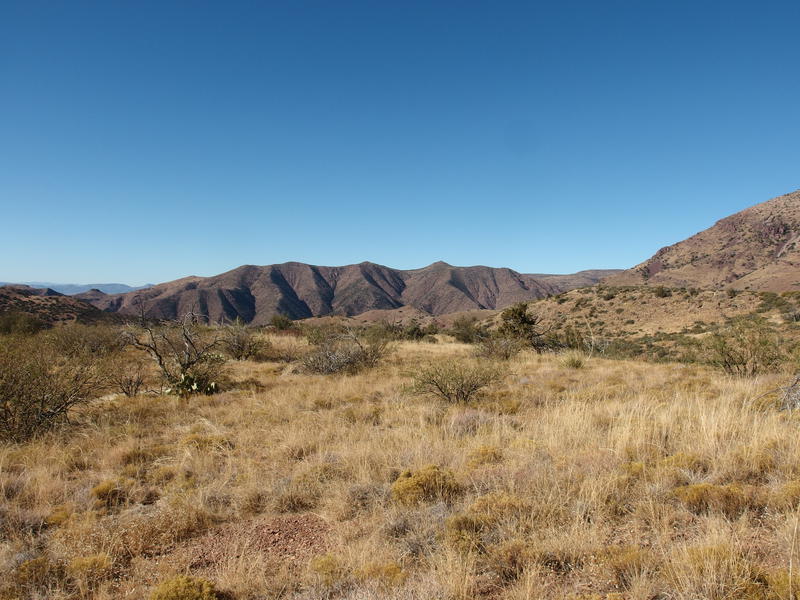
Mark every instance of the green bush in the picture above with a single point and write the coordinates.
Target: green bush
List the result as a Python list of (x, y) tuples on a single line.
[(517, 323), (282, 322), (468, 330)]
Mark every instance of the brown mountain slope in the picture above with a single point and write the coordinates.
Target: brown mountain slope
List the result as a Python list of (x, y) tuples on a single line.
[(46, 305), (755, 249), (298, 290)]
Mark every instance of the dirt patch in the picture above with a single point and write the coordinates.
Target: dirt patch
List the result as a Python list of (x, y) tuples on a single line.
[(293, 539)]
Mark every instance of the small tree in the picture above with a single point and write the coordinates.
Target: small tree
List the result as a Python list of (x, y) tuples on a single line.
[(185, 355)]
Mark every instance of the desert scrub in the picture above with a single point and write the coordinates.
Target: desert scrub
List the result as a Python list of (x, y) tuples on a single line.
[(713, 571), (34, 577), (39, 386), (499, 348), (185, 588), (425, 485), (456, 382), (346, 352)]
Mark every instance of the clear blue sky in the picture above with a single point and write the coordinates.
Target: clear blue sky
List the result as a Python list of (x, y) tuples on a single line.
[(144, 141)]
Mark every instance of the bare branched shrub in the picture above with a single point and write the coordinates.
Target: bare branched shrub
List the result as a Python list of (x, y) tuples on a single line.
[(38, 386), (456, 382), (184, 352), (746, 348), (127, 375), (498, 348), (346, 352), (239, 341)]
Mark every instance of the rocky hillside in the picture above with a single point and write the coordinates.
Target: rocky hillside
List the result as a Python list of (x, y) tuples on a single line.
[(755, 249), (46, 304), (298, 290)]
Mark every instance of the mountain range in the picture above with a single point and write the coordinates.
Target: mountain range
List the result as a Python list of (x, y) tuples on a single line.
[(70, 289), (757, 249), (298, 290)]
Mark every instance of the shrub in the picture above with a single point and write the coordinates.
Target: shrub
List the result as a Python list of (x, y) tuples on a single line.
[(573, 360), (20, 323), (468, 330), (282, 322), (239, 342), (127, 375), (345, 353), (747, 347), (455, 382), (662, 292), (425, 485), (112, 493), (485, 455), (517, 323), (498, 348), (185, 354), (35, 575), (185, 588), (38, 387), (88, 571)]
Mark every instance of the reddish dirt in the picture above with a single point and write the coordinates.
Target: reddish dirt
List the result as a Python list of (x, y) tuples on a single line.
[(291, 538)]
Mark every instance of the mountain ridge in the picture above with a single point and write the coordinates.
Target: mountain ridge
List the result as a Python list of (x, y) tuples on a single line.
[(255, 293), (757, 249)]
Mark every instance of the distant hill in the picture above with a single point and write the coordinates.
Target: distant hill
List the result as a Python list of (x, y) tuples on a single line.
[(756, 249), (47, 305), (256, 293), (70, 289)]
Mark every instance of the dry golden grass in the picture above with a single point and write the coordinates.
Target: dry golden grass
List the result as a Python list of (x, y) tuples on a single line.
[(614, 480)]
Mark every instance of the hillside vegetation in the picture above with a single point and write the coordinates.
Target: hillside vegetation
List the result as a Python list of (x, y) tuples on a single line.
[(417, 467)]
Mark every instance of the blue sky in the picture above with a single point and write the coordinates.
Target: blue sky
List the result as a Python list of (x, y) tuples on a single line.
[(144, 141)]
